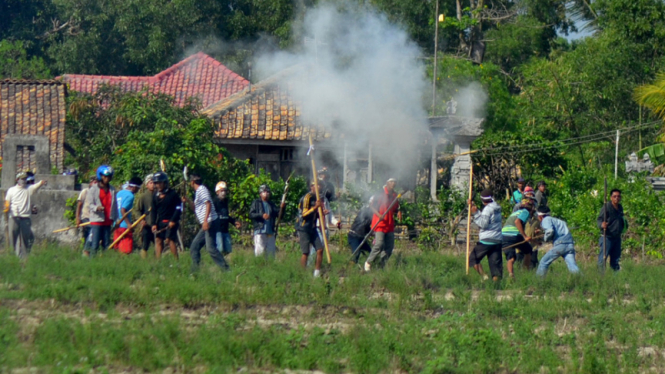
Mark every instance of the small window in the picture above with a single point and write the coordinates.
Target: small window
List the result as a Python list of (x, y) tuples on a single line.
[(286, 155)]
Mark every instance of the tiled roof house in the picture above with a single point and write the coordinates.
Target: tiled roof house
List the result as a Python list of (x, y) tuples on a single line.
[(34, 108), (199, 76)]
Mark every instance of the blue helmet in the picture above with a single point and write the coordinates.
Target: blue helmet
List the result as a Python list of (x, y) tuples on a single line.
[(104, 170)]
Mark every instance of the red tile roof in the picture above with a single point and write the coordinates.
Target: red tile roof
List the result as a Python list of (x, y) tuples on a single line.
[(198, 75), (34, 108)]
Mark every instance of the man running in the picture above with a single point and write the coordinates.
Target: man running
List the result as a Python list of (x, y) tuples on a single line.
[(166, 212), (143, 206), (360, 227), (221, 203), (125, 202), (612, 229), (557, 231), (308, 207), (17, 205), (384, 229), (515, 238), (263, 213), (103, 210), (82, 211), (210, 225), (489, 222)]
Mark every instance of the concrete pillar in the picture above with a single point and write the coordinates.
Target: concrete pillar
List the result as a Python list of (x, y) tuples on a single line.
[(434, 170)]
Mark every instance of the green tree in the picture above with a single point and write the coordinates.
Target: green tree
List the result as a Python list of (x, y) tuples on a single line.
[(15, 63)]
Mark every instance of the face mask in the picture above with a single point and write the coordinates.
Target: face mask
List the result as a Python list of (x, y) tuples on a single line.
[(22, 182)]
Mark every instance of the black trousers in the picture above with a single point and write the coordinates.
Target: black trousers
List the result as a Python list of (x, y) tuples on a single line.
[(493, 254), (147, 237)]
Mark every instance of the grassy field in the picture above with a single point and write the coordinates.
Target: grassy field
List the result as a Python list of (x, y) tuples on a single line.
[(63, 313)]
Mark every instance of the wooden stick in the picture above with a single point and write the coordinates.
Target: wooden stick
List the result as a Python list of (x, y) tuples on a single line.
[(129, 229), (71, 227), (377, 223), (468, 222), (522, 242), (119, 222), (322, 217)]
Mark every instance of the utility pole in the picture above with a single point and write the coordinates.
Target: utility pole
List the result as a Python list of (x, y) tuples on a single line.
[(616, 155), (436, 49)]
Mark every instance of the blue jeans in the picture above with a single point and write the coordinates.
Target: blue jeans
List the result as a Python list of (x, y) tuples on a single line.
[(354, 242), (97, 234), (207, 239), (224, 243), (565, 250), (613, 251)]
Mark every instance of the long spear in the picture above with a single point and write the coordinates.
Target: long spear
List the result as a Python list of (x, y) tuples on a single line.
[(468, 222), (129, 229), (322, 217), (376, 224), (281, 205)]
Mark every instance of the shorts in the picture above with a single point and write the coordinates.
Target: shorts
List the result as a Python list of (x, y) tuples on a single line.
[(511, 253), (308, 238), (126, 244), (493, 253), (170, 234)]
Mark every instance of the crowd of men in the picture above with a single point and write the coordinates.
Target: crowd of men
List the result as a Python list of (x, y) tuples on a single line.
[(103, 213)]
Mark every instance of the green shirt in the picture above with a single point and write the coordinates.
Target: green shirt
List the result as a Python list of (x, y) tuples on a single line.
[(509, 228)]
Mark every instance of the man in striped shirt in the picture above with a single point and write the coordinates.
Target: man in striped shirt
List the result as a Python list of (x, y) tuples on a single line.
[(210, 225)]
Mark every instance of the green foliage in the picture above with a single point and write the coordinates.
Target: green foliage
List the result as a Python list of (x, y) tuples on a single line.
[(70, 211), (429, 239), (15, 64)]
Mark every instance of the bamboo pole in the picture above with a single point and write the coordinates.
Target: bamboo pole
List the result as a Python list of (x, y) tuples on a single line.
[(322, 217), (468, 222), (71, 227), (129, 229)]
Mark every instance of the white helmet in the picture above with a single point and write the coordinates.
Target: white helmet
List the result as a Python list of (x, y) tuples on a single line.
[(221, 186)]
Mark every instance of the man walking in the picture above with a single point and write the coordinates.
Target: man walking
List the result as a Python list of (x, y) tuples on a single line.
[(263, 213), (210, 225), (489, 222), (103, 210), (384, 237), (125, 202), (611, 230), (143, 206), (221, 204), (17, 205), (166, 212), (82, 212), (557, 231), (514, 237), (308, 207), (360, 227)]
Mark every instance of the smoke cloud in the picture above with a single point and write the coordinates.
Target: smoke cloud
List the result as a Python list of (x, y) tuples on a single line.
[(364, 79), (473, 99)]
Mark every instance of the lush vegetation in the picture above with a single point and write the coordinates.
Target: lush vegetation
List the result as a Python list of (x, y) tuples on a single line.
[(63, 313)]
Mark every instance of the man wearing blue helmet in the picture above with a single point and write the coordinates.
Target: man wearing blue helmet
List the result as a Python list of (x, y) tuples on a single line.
[(103, 210)]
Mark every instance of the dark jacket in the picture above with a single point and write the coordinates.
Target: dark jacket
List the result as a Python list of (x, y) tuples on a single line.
[(256, 213), (144, 202), (362, 224), (615, 220), (168, 208), (222, 208), (307, 223), (328, 190), (541, 199)]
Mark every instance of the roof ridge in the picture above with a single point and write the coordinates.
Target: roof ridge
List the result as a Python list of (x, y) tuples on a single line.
[(32, 81), (179, 64), (92, 76)]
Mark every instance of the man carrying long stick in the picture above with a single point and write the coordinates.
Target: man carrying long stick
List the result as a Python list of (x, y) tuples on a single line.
[(306, 227), (125, 202), (514, 237), (489, 221), (384, 229), (166, 212)]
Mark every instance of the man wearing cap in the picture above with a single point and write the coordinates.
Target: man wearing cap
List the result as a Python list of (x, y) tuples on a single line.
[(82, 212), (125, 202), (263, 214), (515, 238), (489, 244), (528, 194), (143, 205), (17, 204), (556, 230), (518, 195), (166, 213), (103, 210), (209, 220), (221, 203), (384, 229)]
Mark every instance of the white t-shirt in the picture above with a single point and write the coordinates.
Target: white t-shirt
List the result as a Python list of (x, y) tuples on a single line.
[(202, 196), (19, 200), (85, 213)]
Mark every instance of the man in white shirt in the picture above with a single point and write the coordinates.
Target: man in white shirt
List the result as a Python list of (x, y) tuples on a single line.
[(17, 204)]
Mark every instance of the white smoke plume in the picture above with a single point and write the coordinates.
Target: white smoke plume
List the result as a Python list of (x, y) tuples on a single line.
[(365, 79), (473, 99)]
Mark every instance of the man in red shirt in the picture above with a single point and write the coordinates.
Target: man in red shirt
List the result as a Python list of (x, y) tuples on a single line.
[(384, 229), (103, 210)]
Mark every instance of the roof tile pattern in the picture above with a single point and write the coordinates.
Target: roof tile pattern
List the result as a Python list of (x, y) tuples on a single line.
[(199, 76), (267, 111), (34, 108)]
